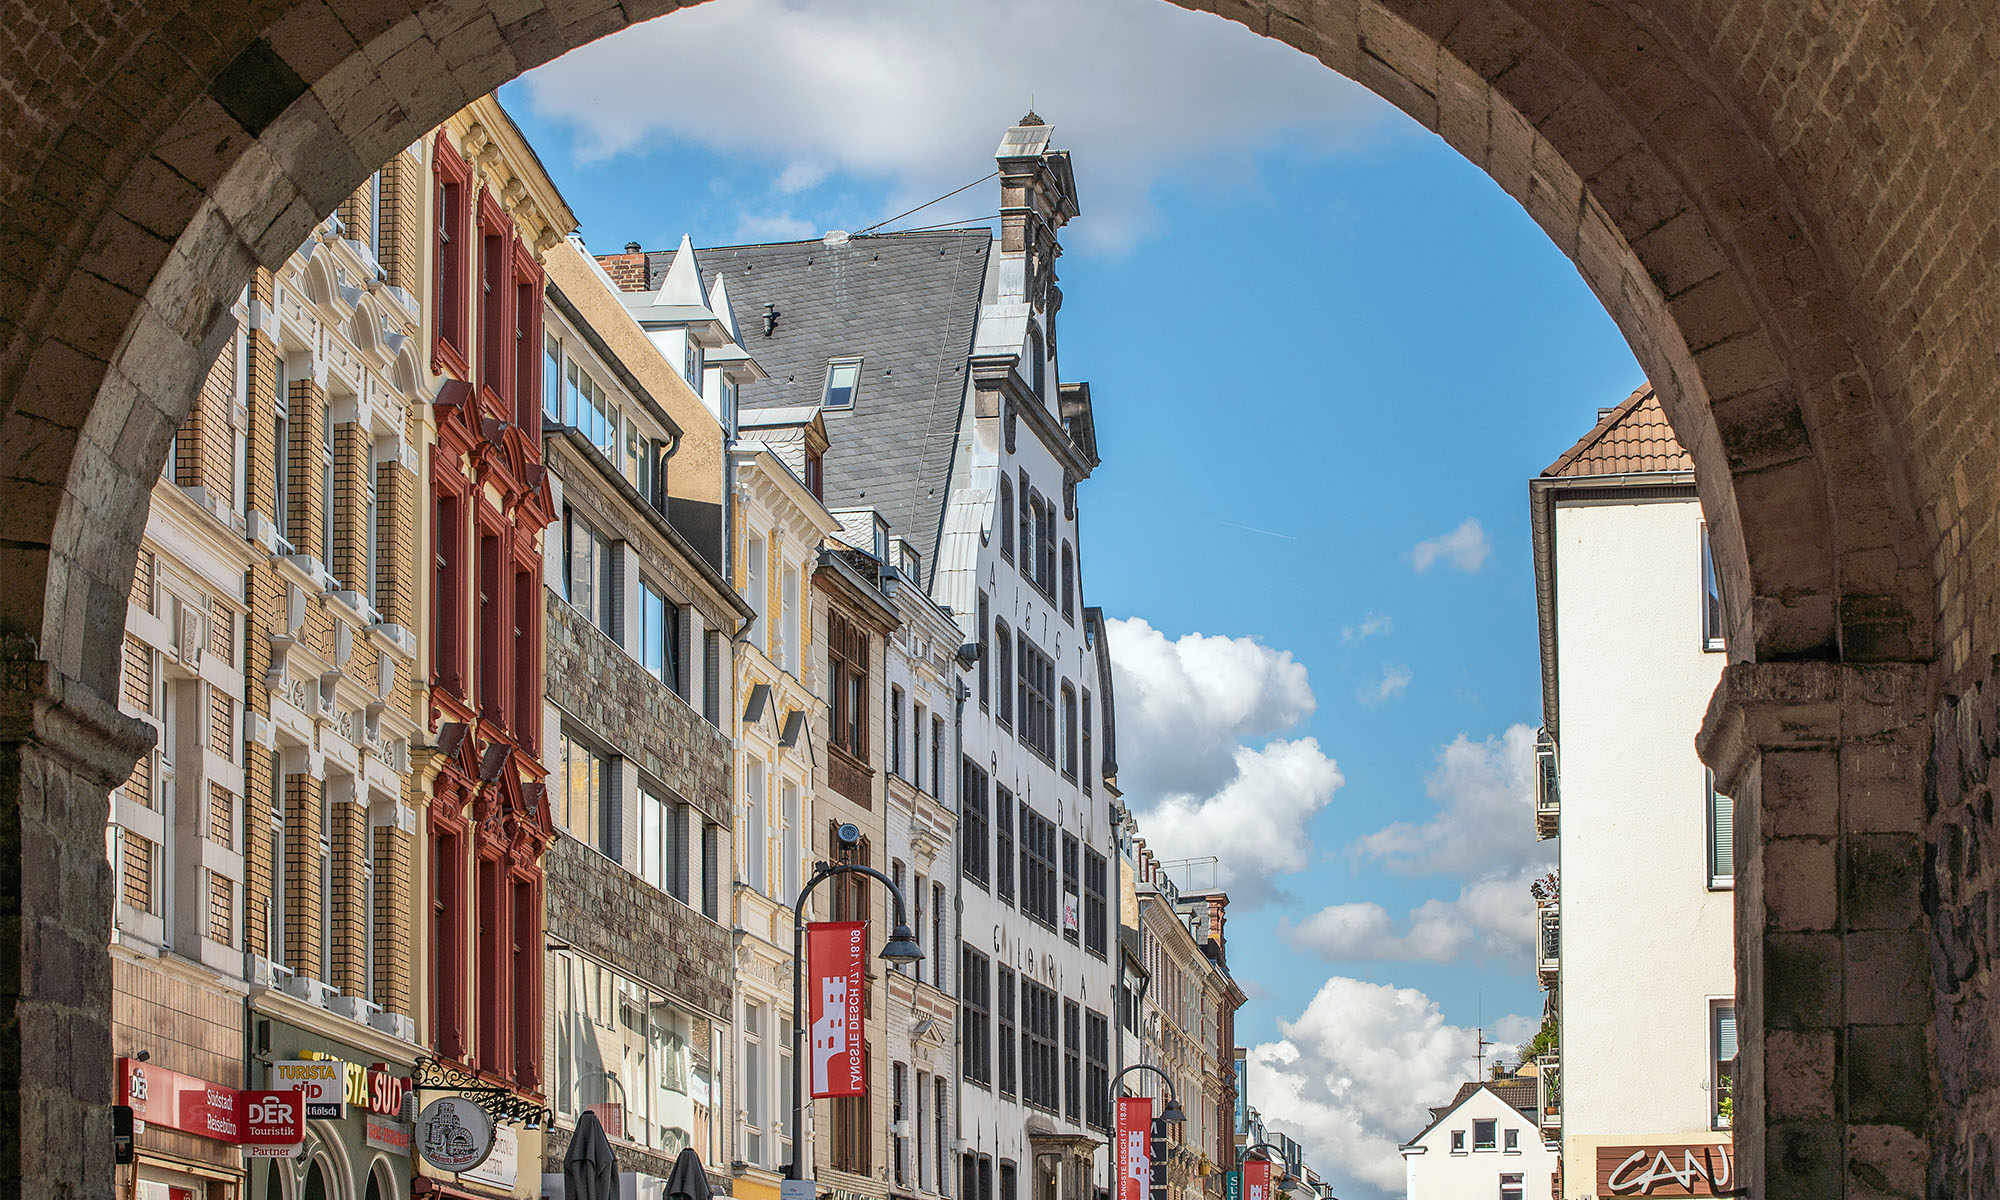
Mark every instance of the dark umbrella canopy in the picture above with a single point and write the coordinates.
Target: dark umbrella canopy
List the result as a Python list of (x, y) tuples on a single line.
[(688, 1180), (590, 1169)]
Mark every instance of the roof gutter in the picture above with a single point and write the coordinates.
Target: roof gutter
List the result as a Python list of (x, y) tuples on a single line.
[(1543, 493)]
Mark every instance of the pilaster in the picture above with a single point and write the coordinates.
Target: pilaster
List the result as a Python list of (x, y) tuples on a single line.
[(1835, 1088)]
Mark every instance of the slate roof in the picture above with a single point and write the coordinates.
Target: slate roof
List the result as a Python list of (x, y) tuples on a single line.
[(907, 304), (1632, 438)]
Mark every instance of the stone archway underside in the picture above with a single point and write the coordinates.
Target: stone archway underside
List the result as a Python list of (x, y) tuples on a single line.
[(1792, 210)]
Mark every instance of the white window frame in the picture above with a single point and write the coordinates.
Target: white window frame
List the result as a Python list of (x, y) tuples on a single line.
[(834, 365), (1714, 615), (1713, 819), (1716, 1006)]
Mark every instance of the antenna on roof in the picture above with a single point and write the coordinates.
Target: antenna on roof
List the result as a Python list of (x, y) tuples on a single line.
[(1480, 1036)]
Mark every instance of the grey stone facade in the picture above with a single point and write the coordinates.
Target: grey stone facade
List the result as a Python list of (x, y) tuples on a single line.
[(615, 917), (608, 692)]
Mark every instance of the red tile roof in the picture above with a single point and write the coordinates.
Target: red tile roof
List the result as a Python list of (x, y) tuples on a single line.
[(1629, 439)]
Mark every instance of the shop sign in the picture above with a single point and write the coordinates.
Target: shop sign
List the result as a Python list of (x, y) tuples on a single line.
[(836, 953), (1681, 1170), (158, 1096), (274, 1123), (387, 1133), (371, 1089), (1134, 1165), (503, 1166), (322, 1082), (1232, 1185), (453, 1134)]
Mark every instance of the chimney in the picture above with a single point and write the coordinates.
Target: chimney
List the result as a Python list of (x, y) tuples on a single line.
[(627, 270)]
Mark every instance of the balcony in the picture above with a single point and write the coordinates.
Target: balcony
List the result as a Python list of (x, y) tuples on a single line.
[(1548, 947), (1548, 1075), (1548, 787)]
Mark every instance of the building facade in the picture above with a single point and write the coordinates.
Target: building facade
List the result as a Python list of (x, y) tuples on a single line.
[(1486, 1142), (1639, 934), (638, 625)]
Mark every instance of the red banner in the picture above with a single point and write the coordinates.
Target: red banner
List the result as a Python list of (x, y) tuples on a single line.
[(1134, 1166), (835, 954), (1257, 1179), (192, 1105)]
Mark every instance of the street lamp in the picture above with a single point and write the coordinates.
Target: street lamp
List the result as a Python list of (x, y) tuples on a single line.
[(902, 947), (1171, 1113), (1276, 1154)]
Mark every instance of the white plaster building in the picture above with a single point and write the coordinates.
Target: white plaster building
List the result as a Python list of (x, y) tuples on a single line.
[(1485, 1144), (1639, 942)]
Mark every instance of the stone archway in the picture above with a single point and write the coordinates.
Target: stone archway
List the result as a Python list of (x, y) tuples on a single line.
[(1791, 211)]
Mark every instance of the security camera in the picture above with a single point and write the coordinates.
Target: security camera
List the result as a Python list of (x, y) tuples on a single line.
[(848, 834)]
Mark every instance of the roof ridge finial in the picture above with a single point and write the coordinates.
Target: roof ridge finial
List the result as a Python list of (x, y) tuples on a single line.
[(1031, 118)]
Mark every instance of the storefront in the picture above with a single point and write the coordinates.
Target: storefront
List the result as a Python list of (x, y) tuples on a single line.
[(185, 1132), (357, 1140)]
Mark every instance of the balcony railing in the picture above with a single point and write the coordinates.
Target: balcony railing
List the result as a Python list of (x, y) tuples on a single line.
[(1548, 787), (1548, 1074), (1548, 947)]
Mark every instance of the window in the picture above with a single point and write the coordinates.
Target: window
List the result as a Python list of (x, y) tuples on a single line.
[(1089, 760), (1068, 584), (452, 179), (847, 660), (1038, 701), (896, 732), (1038, 866), (1484, 1134), (616, 1039), (1097, 1070), (985, 653), (922, 1170), (1096, 905), (756, 590), (1069, 731), (843, 375), (1711, 596), (1006, 518), (1511, 1186), (917, 725), (941, 1113), (328, 504), (1003, 646), (788, 840), (660, 635), (815, 474), (1458, 1141), (1005, 1008), (527, 335), (552, 380), (975, 1034), (1037, 364), (789, 629), (1041, 1080), (972, 821), (899, 1113), (1721, 836), (1072, 1060), (1511, 1141), (495, 286), (281, 475), (663, 839), (937, 757), (756, 837), (588, 582), (937, 935), (1071, 848), (583, 792), (1003, 854), (1722, 1050)]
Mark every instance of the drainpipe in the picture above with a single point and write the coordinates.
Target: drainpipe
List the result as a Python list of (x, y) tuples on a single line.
[(960, 693)]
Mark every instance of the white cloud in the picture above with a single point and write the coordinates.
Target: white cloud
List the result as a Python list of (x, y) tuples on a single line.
[(1484, 821), (1371, 625), (1351, 1078), (912, 92), (798, 176), (1465, 548), (1185, 706), (1192, 713), (1492, 917), (1256, 825), (1395, 681)]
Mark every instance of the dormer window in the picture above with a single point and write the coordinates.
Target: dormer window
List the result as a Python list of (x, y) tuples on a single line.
[(815, 475), (692, 364), (843, 375)]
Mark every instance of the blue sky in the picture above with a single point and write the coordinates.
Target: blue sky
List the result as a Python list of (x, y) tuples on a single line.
[(1318, 339)]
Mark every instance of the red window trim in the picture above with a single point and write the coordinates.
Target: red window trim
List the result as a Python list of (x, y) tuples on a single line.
[(448, 649), (493, 667), (448, 355), (527, 341), (494, 358)]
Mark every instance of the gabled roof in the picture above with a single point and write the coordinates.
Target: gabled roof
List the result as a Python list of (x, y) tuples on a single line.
[(1521, 1095), (907, 306), (678, 296), (1631, 438)]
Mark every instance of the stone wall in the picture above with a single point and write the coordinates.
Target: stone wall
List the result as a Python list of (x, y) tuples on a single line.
[(593, 680), (614, 916)]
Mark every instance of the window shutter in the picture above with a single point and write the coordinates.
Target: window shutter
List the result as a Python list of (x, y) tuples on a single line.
[(1722, 835), (711, 677), (1725, 1034)]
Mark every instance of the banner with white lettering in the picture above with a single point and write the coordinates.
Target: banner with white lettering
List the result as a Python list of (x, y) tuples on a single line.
[(1135, 1117), (1257, 1179), (835, 958)]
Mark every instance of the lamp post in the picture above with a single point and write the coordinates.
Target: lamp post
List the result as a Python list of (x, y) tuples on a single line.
[(1277, 1154), (901, 947), (1172, 1113)]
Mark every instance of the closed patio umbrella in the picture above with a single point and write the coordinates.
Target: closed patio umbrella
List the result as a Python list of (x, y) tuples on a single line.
[(688, 1180), (590, 1169)]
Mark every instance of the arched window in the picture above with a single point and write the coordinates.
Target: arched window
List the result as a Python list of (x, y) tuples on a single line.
[(1068, 584), (1007, 518), (1037, 362)]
